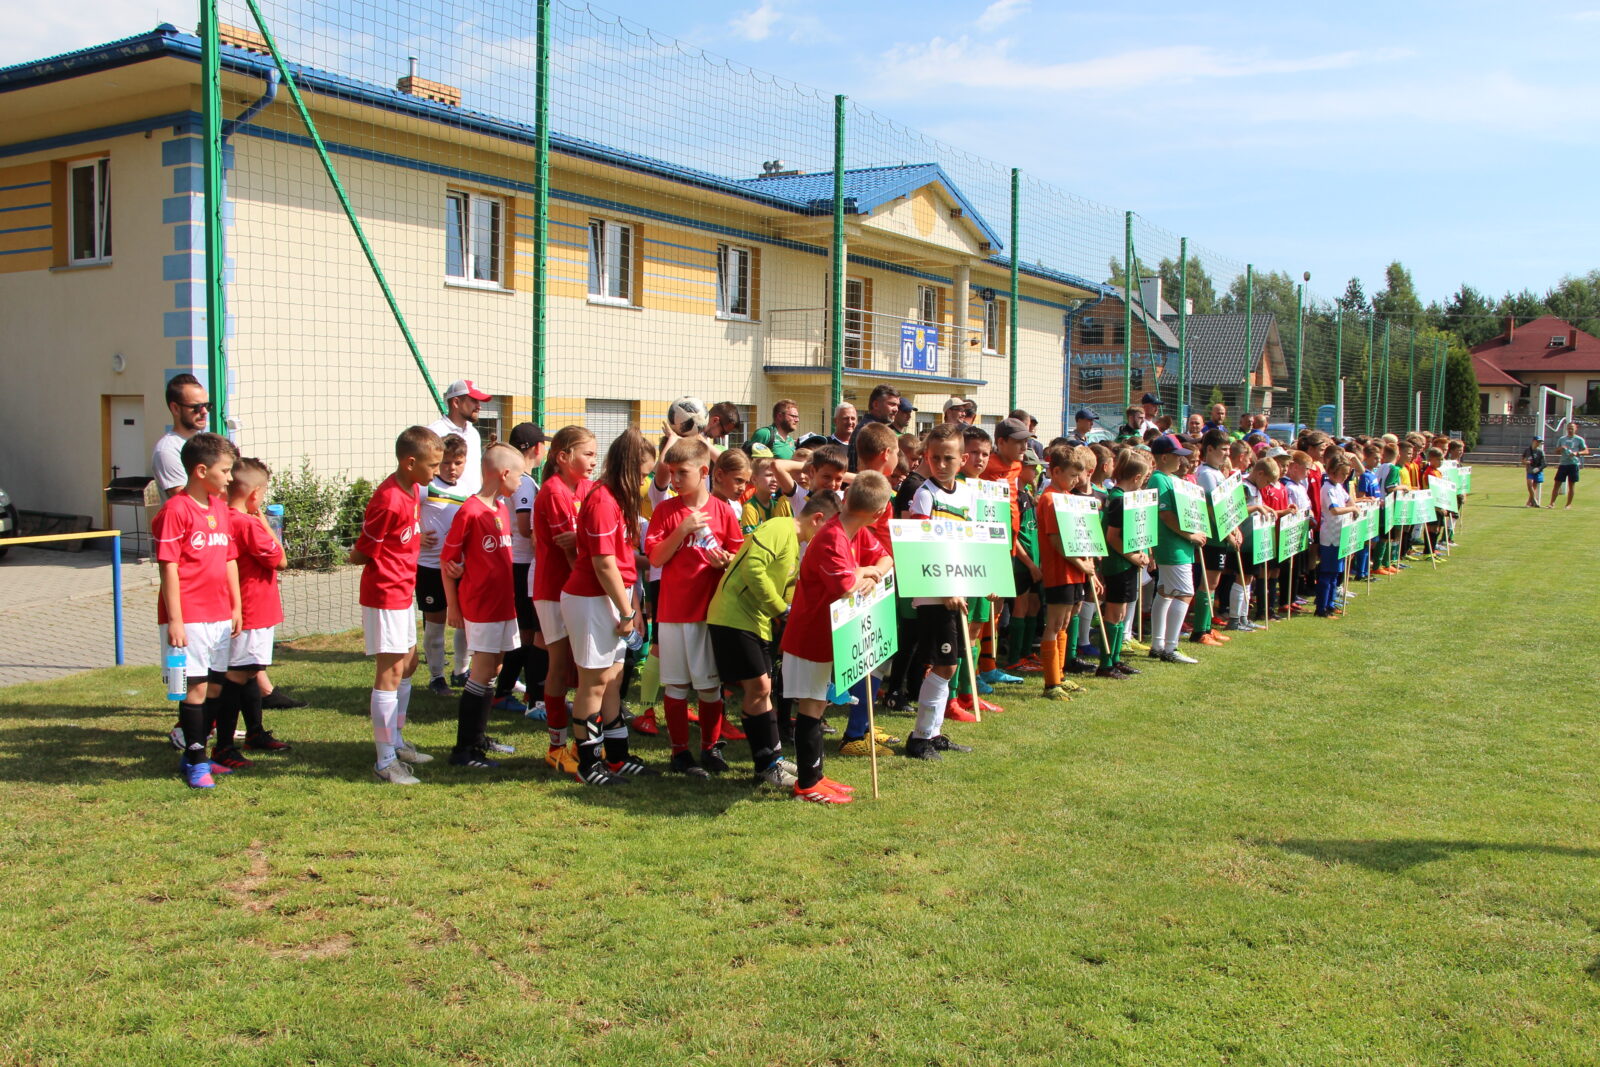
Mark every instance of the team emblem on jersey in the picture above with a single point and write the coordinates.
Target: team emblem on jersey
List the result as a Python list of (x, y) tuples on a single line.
[(498, 525), (211, 522), (490, 542)]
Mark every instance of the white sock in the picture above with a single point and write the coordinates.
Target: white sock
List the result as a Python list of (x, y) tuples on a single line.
[(1244, 602), (1086, 614), (931, 700), (433, 647), (1158, 624), (1176, 610), (383, 709), (462, 660), (402, 702)]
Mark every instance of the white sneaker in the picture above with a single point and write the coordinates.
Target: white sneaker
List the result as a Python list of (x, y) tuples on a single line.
[(778, 776), (1179, 657), (397, 773), (176, 737), (404, 751)]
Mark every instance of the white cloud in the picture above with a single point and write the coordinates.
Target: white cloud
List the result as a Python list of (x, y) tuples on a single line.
[(757, 24), (38, 31), (1000, 12)]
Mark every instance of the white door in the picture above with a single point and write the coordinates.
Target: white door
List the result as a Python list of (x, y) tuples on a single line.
[(129, 458)]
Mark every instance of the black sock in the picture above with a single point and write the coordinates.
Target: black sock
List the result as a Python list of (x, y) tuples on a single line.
[(535, 665), (250, 706), (589, 747), (213, 708), (228, 712), (808, 749), (765, 745), (192, 718), (471, 709), (616, 741), (510, 667)]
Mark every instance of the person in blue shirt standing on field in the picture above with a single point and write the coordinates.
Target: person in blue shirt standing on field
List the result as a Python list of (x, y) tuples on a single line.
[(1571, 449)]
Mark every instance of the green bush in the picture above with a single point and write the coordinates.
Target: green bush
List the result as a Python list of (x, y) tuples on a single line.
[(321, 516)]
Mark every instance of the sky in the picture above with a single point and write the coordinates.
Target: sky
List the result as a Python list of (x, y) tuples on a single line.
[(1460, 138)]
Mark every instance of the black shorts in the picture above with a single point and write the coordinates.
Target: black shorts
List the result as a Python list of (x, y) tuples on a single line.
[(1067, 593), (1567, 472), (1122, 588), (527, 618), (1024, 580), (1219, 560), (940, 632), (430, 589), (740, 655)]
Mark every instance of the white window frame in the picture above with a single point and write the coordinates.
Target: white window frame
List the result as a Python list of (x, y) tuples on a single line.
[(735, 281), (461, 206), (927, 305), (100, 187), (612, 259), (991, 327)]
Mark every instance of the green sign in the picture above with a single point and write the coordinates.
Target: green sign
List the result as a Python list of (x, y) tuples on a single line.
[(947, 557), (1078, 525), (865, 633), (1140, 520), (1261, 543), (1444, 493), (1349, 535), (992, 502), (1193, 515), (1228, 506), (1294, 531), (1415, 507), (1465, 480), (1391, 505)]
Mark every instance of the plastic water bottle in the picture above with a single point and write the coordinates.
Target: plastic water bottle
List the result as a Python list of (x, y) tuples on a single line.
[(634, 640), (175, 672), (705, 539), (274, 513)]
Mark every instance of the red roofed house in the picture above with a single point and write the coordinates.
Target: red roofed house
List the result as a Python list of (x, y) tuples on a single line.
[(1547, 351)]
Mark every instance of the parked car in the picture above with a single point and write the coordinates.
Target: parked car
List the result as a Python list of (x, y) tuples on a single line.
[(10, 525), (1284, 431)]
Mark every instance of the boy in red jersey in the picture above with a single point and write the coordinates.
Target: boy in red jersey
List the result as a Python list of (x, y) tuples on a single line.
[(260, 557), (388, 548), (564, 486), (482, 599), (843, 557), (198, 610), (692, 538)]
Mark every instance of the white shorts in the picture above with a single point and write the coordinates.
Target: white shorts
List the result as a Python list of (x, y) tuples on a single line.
[(551, 625), (1175, 580), (805, 679), (684, 649), (389, 631), (206, 649), (253, 647), (493, 637), (591, 623)]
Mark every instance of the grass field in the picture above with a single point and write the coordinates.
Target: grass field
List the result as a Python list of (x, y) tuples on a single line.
[(1373, 839)]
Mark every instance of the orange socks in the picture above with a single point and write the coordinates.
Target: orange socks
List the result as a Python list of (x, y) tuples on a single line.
[(1049, 653)]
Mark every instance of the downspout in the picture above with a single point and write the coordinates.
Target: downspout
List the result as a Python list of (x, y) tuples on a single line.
[(1066, 369), (231, 127)]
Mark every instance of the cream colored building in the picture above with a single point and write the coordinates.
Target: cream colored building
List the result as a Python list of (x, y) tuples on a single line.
[(663, 280)]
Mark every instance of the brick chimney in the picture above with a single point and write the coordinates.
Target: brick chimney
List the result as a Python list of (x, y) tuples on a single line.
[(1572, 339), (1511, 328), (438, 92), (237, 37)]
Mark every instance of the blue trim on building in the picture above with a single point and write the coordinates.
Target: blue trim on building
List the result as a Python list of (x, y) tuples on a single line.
[(26, 229), (851, 372), (25, 207), (20, 251)]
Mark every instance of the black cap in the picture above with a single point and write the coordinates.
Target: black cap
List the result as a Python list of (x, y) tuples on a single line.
[(907, 406), (1166, 444), (524, 435), (1150, 398)]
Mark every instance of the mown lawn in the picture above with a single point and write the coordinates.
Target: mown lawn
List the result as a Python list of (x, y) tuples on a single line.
[(1373, 840)]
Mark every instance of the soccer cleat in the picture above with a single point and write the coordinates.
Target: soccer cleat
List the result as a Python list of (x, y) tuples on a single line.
[(1072, 687), (473, 759), (537, 712), (265, 742), (828, 729), (921, 748), (941, 743), (1088, 652), (1081, 666), (996, 709), (789, 765), (397, 773), (459, 680), (278, 700), (777, 776), (955, 713), (499, 748), (1134, 646), (1055, 692), (1000, 677), (1174, 656), (983, 687), (175, 735), (599, 774), (818, 795), (230, 758), (837, 787), (631, 766), (406, 751), (730, 732), (198, 775), (694, 714), (510, 703), (1109, 672), (862, 747), (1209, 640), (1240, 626), (884, 737), (1126, 669), (1026, 665), (646, 724), (440, 688), (683, 763), (562, 760), (712, 759)]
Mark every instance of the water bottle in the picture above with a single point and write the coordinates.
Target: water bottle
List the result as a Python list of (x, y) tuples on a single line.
[(274, 513), (706, 540), (175, 672), (634, 640)]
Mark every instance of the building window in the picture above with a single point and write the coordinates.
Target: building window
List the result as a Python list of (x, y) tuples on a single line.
[(89, 211), (993, 331), (1090, 379), (1091, 332), (1119, 333), (474, 237), (733, 282), (1136, 378), (927, 305), (607, 420), (610, 262)]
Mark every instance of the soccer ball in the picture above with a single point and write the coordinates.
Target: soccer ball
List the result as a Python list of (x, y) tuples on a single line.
[(687, 415)]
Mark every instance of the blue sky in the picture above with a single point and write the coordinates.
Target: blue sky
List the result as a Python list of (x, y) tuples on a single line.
[(1461, 138)]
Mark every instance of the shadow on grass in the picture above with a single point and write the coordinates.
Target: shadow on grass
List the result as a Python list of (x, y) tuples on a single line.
[(1402, 854)]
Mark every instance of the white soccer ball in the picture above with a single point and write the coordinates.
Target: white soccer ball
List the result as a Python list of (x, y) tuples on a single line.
[(687, 415)]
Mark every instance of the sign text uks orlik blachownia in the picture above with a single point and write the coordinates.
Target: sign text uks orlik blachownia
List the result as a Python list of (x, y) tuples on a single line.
[(865, 633), (947, 557)]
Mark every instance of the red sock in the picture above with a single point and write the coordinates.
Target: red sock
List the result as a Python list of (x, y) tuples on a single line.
[(677, 723), (557, 717), (710, 722)]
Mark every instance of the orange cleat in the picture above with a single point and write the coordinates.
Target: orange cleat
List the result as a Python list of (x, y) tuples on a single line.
[(817, 794), (960, 710), (1210, 639), (645, 723), (837, 787)]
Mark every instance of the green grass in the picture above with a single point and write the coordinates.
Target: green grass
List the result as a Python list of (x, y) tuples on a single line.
[(1365, 840)]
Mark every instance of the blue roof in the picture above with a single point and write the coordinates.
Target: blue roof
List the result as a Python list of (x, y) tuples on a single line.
[(867, 189)]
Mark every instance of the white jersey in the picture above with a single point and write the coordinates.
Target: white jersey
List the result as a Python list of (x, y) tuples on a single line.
[(439, 507), (472, 474), (166, 462), (522, 504), (936, 502)]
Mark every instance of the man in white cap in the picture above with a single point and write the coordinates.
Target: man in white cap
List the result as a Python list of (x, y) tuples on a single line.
[(963, 411), (461, 418)]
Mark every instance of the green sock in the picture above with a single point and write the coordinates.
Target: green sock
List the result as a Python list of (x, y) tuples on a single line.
[(1072, 637), (1117, 636), (1108, 654), (1016, 637), (1030, 636), (1202, 620), (960, 686)]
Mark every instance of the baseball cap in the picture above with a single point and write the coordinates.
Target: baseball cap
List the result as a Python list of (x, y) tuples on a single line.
[(1167, 444), (1537, 438), (811, 440), (960, 402), (1085, 413), (1274, 452), (524, 435), (1011, 430), (464, 387), (1032, 458), (907, 406), (1150, 398), (760, 451)]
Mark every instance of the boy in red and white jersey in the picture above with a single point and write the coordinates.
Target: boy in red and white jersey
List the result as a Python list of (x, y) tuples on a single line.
[(198, 608), (388, 548), (482, 599)]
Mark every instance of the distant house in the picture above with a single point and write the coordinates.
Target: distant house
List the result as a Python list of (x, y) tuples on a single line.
[(1220, 358), (1096, 349), (1547, 351)]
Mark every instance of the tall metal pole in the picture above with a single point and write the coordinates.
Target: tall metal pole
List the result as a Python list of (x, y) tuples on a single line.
[(1372, 322), (1411, 384), (1299, 348), (1338, 370), (1444, 379), (1249, 331), (1127, 310), (1183, 329), (1016, 228), (216, 297), (541, 213), (836, 297), (1383, 412)]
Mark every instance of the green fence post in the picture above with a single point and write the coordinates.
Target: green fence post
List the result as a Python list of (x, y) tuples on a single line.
[(1299, 348), (836, 296), (1183, 330), (1127, 310), (1016, 224), (1383, 412), (1372, 321), (216, 265), (1411, 384), (1444, 377), (1249, 330), (541, 214), (1338, 370)]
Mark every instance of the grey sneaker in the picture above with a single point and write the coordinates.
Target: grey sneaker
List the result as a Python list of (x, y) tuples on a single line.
[(498, 748), (397, 773), (411, 755), (778, 777), (1240, 626)]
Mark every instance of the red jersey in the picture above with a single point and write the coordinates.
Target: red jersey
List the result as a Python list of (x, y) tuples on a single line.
[(555, 511), (827, 572), (391, 539), (688, 579), (1276, 496), (199, 540), (602, 531), (480, 538), (1052, 561), (1314, 491), (258, 553)]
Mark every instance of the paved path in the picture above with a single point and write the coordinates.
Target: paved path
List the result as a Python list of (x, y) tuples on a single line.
[(56, 617)]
